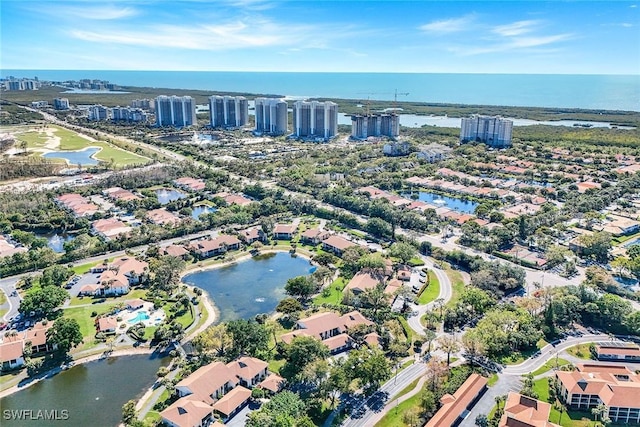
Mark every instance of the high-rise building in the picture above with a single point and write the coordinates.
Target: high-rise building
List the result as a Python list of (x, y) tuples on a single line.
[(228, 111), (376, 124), (61, 104), (98, 112), (271, 116), (314, 119), (178, 111), (491, 130)]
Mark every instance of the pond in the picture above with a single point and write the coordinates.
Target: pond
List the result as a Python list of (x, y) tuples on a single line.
[(55, 241), (200, 210), (240, 291), (93, 393), (454, 203), (166, 195), (74, 157)]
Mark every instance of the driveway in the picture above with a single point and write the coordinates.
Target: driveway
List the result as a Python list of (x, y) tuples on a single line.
[(8, 286)]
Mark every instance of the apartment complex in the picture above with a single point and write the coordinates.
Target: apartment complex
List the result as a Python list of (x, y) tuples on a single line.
[(128, 114), (178, 111), (61, 104), (491, 130), (145, 104), (590, 385), (455, 407), (376, 124), (523, 411), (228, 111), (21, 84), (315, 120), (98, 113), (271, 116)]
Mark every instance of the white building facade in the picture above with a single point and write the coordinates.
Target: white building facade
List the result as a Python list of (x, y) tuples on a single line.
[(314, 119), (271, 116), (178, 111), (491, 130), (228, 111)]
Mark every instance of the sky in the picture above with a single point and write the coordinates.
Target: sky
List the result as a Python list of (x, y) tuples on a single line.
[(554, 37)]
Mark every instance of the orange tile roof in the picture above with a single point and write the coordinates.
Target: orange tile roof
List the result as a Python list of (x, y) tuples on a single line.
[(523, 411), (338, 242), (186, 412), (363, 281), (11, 350), (454, 406), (206, 380), (232, 400), (272, 383), (247, 367)]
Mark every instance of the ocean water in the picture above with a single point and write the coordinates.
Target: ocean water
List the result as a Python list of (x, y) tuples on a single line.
[(607, 92)]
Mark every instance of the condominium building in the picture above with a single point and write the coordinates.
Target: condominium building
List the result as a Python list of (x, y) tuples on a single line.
[(491, 130), (590, 385), (271, 116), (21, 84), (228, 111), (128, 114), (98, 112), (366, 125), (178, 111), (314, 119), (61, 104), (145, 104)]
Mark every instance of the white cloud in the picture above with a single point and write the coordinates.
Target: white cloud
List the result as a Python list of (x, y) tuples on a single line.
[(100, 13), (448, 26), (515, 44), (516, 28)]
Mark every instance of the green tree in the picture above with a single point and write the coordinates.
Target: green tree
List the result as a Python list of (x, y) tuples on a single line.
[(449, 344), (249, 337), (215, 340), (165, 272), (289, 306), (369, 367), (301, 287), (301, 352), (403, 251), (65, 333), (129, 412), (285, 409), (43, 301)]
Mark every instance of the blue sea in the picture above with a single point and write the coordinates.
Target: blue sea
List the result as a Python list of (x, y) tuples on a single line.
[(606, 92)]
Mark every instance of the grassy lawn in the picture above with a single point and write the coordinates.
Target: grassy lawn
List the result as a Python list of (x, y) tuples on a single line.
[(516, 358), (432, 291), (185, 319), (456, 283), (276, 364), (84, 268), (407, 329), (136, 293), (33, 139), (83, 316), (70, 140), (394, 418), (570, 418), (550, 365), (492, 380), (581, 351), (406, 390), (335, 293), (3, 298)]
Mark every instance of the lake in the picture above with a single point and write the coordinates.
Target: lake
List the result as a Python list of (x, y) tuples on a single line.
[(200, 210), (167, 195), (460, 205), (93, 393), (55, 241), (74, 157), (242, 290)]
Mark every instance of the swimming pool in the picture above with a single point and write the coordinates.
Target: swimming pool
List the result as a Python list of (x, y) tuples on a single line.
[(140, 317)]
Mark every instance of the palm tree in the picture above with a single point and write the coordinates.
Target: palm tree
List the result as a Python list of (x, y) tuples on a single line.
[(439, 304), (449, 344), (600, 411), (500, 399), (429, 337)]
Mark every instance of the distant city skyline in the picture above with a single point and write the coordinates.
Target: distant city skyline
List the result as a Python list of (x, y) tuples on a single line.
[(554, 37)]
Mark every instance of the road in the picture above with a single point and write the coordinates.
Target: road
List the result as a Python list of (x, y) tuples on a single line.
[(446, 293), (367, 412)]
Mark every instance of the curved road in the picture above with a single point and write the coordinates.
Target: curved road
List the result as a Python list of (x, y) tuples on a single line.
[(446, 293)]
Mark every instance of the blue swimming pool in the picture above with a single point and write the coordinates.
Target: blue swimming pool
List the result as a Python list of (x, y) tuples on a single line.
[(140, 317)]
